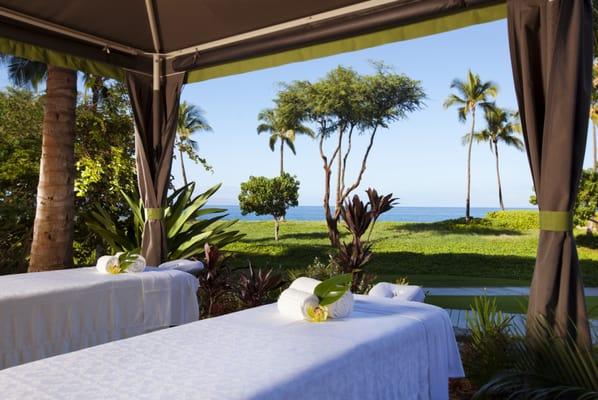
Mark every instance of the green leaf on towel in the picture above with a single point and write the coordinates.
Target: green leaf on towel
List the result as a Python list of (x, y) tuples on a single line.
[(331, 290)]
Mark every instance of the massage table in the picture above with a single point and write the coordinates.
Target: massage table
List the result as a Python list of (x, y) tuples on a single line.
[(48, 313), (386, 349)]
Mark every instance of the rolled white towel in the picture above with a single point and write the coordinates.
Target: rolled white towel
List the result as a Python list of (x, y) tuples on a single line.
[(305, 284), (398, 292), (138, 265), (104, 262), (339, 309), (294, 303), (343, 307)]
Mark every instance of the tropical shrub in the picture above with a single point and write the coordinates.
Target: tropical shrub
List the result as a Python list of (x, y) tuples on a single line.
[(317, 270), (359, 219), (214, 283), (264, 196), (486, 351), (519, 220), (545, 366), (257, 286), (188, 224)]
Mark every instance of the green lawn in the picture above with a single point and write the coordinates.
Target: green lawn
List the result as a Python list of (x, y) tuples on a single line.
[(484, 253)]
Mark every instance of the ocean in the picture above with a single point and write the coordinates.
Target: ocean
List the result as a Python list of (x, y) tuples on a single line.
[(397, 214)]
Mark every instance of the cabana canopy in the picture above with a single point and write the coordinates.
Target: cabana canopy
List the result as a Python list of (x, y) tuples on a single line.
[(158, 45)]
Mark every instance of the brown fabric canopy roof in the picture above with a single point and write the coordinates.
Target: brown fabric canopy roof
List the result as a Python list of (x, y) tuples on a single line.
[(112, 35)]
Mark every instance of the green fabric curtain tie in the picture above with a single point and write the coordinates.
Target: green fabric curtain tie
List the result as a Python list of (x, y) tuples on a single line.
[(556, 221), (153, 214)]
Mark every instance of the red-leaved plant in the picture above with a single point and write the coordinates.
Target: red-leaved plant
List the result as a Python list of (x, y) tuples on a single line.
[(257, 286), (214, 281), (359, 218)]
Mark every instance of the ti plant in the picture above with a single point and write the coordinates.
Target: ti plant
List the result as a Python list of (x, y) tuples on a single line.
[(255, 286), (359, 219), (188, 224), (214, 280)]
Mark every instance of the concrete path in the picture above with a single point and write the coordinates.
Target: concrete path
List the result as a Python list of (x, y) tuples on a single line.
[(490, 291)]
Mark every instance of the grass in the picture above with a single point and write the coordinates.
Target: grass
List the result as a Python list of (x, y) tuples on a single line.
[(487, 252)]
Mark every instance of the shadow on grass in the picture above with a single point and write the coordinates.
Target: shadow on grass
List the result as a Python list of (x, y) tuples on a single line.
[(475, 269), (290, 236), (458, 226), (587, 241)]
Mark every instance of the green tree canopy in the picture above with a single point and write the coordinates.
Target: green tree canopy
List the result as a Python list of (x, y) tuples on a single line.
[(265, 196)]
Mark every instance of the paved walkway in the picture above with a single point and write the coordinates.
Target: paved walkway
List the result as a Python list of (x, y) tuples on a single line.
[(491, 291)]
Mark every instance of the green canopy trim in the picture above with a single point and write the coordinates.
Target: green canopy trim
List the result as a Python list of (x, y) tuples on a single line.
[(59, 59), (406, 32)]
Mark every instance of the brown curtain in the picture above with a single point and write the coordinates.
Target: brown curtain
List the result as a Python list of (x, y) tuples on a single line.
[(551, 53), (156, 113)]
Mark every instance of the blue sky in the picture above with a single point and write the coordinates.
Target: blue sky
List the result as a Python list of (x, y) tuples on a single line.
[(420, 160)]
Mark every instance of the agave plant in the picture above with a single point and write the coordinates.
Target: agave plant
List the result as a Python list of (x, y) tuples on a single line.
[(546, 366), (187, 223), (255, 287), (359, 218)]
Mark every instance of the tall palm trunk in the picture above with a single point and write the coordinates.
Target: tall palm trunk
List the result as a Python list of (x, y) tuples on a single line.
[(183, 167), (502, 206), (594, 166), (281, 157), (52, 246), (469, 147)]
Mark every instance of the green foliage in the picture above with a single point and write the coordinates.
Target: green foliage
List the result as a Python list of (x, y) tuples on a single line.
[(587, 198), (188, 224), (332, 289), (517, 220), (487, 349), (264, 196), (20, 151), (191, 120), (471, 93), (316, 270), (214, 282), (545, 366)]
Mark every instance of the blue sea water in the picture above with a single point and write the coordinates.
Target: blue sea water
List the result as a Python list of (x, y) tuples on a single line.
[(397, 214)]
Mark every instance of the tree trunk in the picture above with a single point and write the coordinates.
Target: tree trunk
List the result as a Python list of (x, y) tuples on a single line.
[(276, 228), (500, 201), (52, 245), (281, 157), (469, 146), (183, 172), (594, 166)]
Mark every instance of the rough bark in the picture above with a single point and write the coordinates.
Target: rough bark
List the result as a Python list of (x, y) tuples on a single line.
[(52, 245), (469, 147), (500, 200), (183, 172), (276, 228), (281, 157)]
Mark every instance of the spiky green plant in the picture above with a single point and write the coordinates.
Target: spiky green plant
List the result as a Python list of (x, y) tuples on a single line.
[(545, 366), (188, 224)]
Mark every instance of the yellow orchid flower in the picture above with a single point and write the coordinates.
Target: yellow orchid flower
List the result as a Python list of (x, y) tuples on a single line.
[(113, 268), (317, 314)]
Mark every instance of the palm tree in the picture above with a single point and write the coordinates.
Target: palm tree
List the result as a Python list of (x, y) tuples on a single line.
[(502, 127), (281, 127), (190, 120), (52, 245), (471, 94)]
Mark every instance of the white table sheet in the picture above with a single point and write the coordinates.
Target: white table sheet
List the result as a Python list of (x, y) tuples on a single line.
[(385, 350), (48, 313)]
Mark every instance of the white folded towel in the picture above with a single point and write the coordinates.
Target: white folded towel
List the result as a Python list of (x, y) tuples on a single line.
[(294, 303), (339, 309), (398, 292), (104, 262), (305, 284), (343, 307), (138, 265), (189, 266)]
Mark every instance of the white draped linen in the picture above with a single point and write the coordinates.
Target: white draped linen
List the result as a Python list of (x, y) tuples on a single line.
[(48, 313), (385, 350)]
